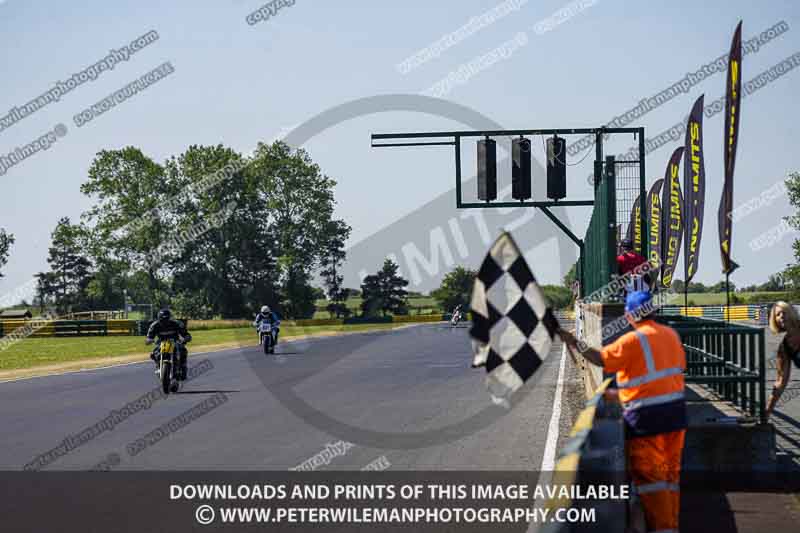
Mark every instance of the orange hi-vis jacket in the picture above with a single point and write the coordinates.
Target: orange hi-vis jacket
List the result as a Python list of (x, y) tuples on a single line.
[(649, 363)]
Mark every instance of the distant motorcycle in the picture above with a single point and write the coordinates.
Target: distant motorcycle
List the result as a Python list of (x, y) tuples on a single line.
[(456, 318), (266, 337), (168, 365)]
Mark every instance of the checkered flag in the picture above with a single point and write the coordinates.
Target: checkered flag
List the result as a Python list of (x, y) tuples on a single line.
[(513, 326)]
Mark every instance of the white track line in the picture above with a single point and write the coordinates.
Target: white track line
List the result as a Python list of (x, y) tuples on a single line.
[(549, 457)]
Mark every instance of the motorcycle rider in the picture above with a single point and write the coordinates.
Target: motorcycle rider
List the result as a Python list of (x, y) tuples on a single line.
[(271, 317), (456, 316), (167, 328)]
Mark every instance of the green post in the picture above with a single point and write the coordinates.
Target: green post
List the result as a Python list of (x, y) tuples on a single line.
[(610, 185), (645, 201)]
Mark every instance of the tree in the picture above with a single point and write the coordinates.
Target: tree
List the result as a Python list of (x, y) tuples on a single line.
[(720, 287), (106, 288), (45, 290), (211, 231), (333, 254), (571, 276), (70, 270), (371, 301), (384, 292), (558, 296), (188, 304), (225, 259), (319, 293), (791, 275), (791, 279), (455, 289), (299, 207), (696, 287), (776, 282), (130, 215), (6, 240)]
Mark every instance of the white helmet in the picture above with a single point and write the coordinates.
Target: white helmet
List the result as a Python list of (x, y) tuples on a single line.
[(265, 309)]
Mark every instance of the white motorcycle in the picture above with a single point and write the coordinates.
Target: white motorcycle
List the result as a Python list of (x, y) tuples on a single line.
[(456, 318), (266, 336)]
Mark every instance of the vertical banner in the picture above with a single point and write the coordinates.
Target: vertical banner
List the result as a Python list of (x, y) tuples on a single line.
[(654, 221), (634, 232), (733, 96), (672, 219), (694, 189)]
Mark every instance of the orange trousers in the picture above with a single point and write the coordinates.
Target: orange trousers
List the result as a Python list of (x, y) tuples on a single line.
[(655, 466)]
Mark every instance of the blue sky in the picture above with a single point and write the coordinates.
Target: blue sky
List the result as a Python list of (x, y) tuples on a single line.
[(238, 84)]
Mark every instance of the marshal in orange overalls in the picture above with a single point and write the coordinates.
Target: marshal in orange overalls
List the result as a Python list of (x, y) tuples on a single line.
[(649, 363)]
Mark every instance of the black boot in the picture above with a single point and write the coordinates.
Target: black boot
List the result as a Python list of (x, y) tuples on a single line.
[(155, 359)]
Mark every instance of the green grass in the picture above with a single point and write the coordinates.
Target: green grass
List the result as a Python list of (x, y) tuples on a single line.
[(416, 305), (47, 351)]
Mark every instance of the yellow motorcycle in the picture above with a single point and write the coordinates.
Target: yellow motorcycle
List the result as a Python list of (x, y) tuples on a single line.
[(168, 365)]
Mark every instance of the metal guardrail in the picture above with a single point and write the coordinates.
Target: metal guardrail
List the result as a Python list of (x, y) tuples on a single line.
[(755, 312), (82, 328), (728, 359)]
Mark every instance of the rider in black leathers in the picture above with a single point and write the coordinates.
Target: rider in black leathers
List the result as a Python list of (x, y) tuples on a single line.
[(167, 328)]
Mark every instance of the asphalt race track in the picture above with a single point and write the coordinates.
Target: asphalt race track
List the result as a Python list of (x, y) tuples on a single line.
[(404, 399)]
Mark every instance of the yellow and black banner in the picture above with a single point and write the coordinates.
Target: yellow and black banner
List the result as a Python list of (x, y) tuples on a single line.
[(654, 221), (694, 189), (634, 232), (733, 96), (672, 219)]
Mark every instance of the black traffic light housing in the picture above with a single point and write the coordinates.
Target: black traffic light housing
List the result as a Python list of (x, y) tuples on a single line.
[(487, 170), (521, 169), (556, 168)]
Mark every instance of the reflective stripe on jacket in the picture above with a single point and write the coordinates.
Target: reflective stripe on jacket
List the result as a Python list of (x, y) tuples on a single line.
[(649, 363)]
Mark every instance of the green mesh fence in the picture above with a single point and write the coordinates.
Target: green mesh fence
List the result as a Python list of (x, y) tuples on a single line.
[(598, 257)]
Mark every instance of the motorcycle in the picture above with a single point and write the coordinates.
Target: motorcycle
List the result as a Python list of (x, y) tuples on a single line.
[(168, 365), (265, 337), (456, 318)]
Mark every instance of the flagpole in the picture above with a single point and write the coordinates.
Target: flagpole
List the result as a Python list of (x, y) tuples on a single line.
[(686, 299), (728, 296)]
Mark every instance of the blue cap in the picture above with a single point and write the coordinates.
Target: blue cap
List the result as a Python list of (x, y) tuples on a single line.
[(635, 300)]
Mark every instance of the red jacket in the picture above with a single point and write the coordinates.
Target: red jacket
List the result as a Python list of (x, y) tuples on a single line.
[(628, 261)]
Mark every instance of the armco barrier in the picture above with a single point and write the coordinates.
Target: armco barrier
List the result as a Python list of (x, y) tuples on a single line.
[(83, 328), (73, 328), (316, 322), (417, 318), (718, 312), (594, 454), (368, 320)]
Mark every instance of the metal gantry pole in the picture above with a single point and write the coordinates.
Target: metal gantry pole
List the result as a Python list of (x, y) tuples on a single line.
[(643, 195), (457, 149), (446, 138)]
